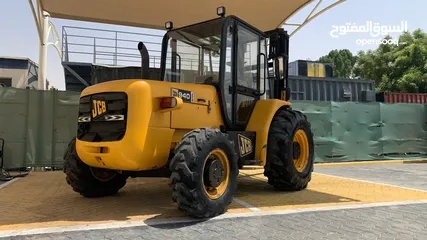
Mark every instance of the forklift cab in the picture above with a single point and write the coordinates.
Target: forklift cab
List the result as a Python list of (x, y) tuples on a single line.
[(243, 63)]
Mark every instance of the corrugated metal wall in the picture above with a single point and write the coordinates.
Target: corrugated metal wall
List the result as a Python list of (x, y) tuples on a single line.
[(328, 89), (392, 97)]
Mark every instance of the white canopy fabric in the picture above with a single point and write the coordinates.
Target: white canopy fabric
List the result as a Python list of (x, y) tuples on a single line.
[(264, 15)]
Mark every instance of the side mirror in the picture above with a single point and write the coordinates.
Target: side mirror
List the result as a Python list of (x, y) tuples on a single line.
[(280, 68), (264, 62), (288, 93)]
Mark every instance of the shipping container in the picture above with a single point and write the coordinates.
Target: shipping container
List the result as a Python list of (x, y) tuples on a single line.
[(329, 89), (310, 69), (397, 97)]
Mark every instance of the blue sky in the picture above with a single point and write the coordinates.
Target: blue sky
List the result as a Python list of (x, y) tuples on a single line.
[(19, 35)]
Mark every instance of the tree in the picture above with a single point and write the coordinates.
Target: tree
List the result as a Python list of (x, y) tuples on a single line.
[(342, 62), (396, 68)]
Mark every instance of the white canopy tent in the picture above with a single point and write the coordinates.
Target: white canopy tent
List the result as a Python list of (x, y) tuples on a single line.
[(154, 14)]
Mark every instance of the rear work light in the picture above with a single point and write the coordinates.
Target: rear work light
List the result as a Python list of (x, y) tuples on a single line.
[(170, 103)]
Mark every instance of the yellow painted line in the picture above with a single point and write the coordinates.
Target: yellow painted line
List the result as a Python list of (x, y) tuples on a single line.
[(416, 161), (332, 164), (366, 181), (322, 191), (370, 162)]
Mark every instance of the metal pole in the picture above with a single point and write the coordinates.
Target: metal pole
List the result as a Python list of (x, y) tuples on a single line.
[(115, 56), (36, 19), (94, 50), (43, 51)]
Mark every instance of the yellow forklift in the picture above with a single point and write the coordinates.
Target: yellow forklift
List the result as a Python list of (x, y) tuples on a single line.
[(221, 103)]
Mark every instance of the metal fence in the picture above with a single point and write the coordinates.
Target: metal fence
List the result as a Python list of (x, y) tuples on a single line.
[(108, 47)]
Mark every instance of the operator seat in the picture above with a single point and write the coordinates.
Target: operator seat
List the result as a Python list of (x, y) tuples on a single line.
[(206, 79)]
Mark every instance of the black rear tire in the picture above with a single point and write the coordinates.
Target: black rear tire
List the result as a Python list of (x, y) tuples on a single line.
[(81, 178), (280, 169), (187, 173)]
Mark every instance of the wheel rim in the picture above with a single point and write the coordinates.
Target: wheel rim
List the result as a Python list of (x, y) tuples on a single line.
[(103, 175), (216, 171), (300, 150)]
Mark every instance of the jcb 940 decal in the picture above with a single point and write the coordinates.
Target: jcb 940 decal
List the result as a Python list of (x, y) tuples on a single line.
[(186, 96)]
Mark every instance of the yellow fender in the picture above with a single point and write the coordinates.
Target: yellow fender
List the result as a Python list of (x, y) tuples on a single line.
[(260, 121)]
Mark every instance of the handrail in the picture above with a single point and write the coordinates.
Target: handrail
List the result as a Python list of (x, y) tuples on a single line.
[(109, 47)]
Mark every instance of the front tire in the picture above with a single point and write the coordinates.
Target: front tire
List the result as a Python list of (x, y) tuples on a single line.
[(290, 151), (204, 173), (90, 181)]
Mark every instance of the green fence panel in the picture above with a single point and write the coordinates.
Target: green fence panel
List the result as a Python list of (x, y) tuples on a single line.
[(41, 121), (319, 116), (403, 131), (366, 131), (65, 127), (54, 121), (355, 131), (36, 126), (13, 125)]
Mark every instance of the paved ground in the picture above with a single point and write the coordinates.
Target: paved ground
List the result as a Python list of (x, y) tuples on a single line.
[(395, 222), (331, 207)]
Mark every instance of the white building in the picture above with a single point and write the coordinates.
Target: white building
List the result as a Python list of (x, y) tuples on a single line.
[(19, 72)]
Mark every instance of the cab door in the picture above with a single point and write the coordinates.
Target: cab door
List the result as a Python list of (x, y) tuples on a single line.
[(245, 72)]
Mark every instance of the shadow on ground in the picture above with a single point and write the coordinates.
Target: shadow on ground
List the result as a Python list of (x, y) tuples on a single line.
[(43, 199)]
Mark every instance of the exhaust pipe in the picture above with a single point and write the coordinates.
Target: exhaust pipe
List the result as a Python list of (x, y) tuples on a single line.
[(145, 61)]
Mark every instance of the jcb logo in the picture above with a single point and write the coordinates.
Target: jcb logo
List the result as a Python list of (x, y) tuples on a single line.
[(99, 108), (245, 145)]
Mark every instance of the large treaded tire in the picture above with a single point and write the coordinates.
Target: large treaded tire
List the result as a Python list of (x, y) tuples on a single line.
[(280, 169), (79, 176), (187, 172)]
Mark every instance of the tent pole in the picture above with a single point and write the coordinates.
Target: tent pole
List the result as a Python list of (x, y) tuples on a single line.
[(43, 51), (36, 19)]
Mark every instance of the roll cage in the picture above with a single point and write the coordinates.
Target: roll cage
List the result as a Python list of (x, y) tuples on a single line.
[(239, 85)]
